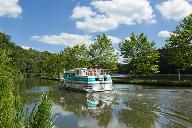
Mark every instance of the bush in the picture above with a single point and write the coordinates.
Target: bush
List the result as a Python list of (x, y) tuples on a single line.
[(12, 114)]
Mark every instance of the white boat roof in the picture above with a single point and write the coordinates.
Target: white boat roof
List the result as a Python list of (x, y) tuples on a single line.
[(81, 68)]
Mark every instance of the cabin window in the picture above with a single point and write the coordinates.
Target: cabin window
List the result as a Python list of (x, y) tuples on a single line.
[(96, 79)]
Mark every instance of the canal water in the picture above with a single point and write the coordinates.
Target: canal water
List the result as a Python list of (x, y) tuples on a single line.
[(130, 106)]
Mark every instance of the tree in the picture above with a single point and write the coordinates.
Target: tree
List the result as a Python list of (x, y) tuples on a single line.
[(22, 59), (4, 39), (75, 57), (103, 54), (164, 66), (140, 55), (12, 115), (179, 45)]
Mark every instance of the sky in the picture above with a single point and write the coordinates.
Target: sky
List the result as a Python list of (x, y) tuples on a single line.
[(52, 25)]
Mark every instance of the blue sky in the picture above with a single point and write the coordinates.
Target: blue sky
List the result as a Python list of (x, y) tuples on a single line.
[(53, 25)]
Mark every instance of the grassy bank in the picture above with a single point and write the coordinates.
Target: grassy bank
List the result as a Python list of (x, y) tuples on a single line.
[(184, 83), (131, 80)]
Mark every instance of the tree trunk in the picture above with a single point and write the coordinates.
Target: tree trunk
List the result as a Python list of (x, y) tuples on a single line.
[(179, 75)]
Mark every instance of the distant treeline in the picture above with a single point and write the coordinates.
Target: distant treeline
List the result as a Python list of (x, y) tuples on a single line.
[(140, 56), (45, 64)]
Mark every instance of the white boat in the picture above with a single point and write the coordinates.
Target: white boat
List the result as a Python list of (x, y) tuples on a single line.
[(88, 80)]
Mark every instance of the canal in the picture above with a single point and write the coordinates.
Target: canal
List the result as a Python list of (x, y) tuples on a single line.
[(131, 106)]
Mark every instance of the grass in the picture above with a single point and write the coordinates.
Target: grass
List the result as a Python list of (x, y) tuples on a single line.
[(185, 83)]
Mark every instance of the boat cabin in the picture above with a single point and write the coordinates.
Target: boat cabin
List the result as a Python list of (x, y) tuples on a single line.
[(89, 80)]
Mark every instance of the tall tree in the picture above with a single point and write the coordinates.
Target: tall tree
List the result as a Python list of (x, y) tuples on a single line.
[(140, 55), (179, 45), (103, 54), (75, 57)]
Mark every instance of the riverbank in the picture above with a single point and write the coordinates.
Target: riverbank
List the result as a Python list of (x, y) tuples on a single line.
[(184, 83), (48, 78)]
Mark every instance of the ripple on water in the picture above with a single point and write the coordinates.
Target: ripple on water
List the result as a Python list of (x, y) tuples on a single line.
[(134, 106)]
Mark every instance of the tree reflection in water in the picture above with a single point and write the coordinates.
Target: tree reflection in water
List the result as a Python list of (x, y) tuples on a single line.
[(96, 105), (100, 106), (136, 119), (137, 108)]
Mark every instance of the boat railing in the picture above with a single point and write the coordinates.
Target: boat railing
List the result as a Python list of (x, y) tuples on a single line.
[(97, 72), (90, 72)]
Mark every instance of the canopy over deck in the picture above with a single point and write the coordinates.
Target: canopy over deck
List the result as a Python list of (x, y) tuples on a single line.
[(89, 72)]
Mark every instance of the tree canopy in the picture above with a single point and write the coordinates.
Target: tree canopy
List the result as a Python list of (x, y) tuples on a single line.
[(100, 53), (75, 57), (179, 45), (140, 55), (103, 54)]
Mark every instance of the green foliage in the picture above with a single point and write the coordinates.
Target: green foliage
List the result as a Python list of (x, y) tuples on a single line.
[(180, 44), (103, 54), (99, 53), (20, 57), (49, 65), (12, 115), (75, 57), (8, 99), (140, 55), (164, 65), (41, 115), (4, 39), (31, 62)]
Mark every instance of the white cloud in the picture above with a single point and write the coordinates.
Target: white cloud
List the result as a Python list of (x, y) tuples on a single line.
[(127, 38), (25, 47), (126, 11), (115, 40), (64, 39), (87, 122), (58, 109), (120, 58), (100, 23), (82, 12), (164, 34), (175, 9), (10, 8), (111, 13)]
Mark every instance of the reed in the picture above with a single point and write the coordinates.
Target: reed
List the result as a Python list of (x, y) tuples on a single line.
[(41, 115)]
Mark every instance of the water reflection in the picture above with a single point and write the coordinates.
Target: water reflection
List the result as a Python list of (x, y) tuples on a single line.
[(93, 102), (126, 106), (84, 107)]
